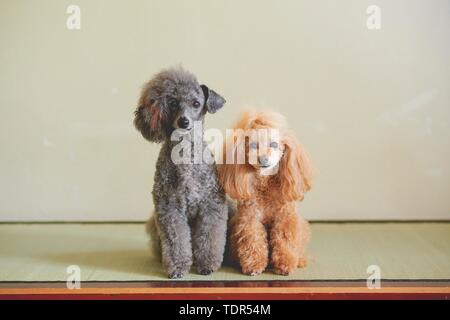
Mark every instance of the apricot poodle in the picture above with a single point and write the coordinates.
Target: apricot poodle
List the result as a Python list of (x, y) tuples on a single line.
[(273, 173)]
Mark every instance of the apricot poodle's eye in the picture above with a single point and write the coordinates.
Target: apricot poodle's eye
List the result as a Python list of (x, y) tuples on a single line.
[(196, 104), (274, 145), (173, 103), (253, 145)]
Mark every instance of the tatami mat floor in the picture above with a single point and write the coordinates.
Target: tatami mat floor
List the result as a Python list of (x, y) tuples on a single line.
[(119, 252)]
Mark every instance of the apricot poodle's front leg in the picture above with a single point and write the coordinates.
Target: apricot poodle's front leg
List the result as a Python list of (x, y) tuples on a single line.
[(249, 242), (285, 243)]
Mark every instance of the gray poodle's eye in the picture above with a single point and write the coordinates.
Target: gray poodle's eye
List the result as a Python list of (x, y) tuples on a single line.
[(196, 104), (173, 103), (274, 145), (253, 145)]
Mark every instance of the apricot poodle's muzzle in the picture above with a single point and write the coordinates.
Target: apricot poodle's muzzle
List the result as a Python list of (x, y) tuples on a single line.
[(264, 161), (267, 163)]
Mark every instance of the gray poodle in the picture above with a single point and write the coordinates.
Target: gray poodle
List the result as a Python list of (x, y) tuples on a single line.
[(190, 219)]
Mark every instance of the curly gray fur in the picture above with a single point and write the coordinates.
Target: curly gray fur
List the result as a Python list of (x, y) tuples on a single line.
[(190, 218)]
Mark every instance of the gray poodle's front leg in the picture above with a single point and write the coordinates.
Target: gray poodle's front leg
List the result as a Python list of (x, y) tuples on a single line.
[(176, 245), (209, 238)]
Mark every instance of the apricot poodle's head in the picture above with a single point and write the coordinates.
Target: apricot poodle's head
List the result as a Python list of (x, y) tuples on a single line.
[(260, 148)]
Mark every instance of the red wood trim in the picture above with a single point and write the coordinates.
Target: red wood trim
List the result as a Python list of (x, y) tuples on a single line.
[(259, 290), (299, 296)]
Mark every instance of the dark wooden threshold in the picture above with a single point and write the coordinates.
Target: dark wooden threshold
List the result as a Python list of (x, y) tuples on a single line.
[(144, 221), (241, 290)]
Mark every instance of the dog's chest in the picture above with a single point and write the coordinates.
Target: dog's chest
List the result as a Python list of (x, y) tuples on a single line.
[(265, 210), (196, 182)]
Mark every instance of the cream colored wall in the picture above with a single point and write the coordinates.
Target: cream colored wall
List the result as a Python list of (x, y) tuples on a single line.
[(372, 107)]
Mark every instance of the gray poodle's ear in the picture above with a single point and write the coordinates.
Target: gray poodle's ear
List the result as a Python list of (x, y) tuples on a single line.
[(149, 117), (213, 101)]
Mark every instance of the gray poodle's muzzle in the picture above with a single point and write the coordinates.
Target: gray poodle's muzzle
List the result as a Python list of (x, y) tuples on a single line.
[(184, 122)]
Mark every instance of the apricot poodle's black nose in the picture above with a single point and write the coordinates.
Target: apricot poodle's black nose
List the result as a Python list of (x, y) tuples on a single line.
[(263, 160), (183, 122)]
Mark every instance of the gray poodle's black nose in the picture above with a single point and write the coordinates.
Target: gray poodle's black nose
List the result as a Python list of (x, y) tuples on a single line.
[(183, 122)]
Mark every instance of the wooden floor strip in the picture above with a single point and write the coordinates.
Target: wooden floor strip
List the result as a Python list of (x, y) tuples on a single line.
[(227, 290)]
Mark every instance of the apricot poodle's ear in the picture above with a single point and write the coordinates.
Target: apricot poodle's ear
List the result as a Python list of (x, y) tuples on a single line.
[(150, 115), (295, 171), (235, 176), (213, 100)]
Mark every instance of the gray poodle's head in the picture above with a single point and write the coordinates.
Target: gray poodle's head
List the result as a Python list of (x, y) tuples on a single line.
[(173, 99)]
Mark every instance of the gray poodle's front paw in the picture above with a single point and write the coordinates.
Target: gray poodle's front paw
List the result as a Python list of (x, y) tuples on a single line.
[(178, 272), (176, 275), (207, 268), (205, 272)]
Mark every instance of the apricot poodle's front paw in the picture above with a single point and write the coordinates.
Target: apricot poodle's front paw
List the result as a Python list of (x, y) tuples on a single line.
[(283, 270), (252, 271), (302, 262), (254, 268), (284, 266)]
